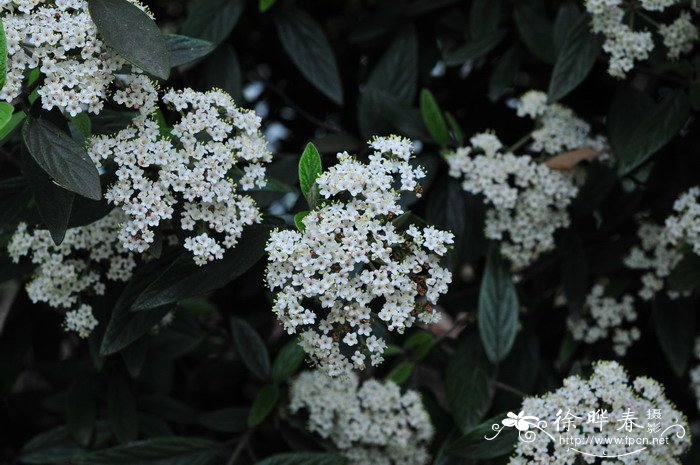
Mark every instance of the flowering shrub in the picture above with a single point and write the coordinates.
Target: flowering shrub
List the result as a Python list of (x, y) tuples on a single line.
[(275, 232)]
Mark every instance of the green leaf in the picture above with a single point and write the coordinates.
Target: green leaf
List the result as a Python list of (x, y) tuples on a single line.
[(250, 348), (10, 126), (176, 450), (395, 76), (484, 17), (227, 420), (3, 55), (650, 131), (288, 360), (306, 44), (213, 20), (474, 49), (498, 308), (222, 70), (133, 34), (473, 444), (263, 404), (457, 132), (575, 60), (299, 220), (64, 160), (51, 447), (80, 412), (674, 323), (419, 345), (310, 168), (467, 385), (534, 28), (53, 202), (168, 409), (400, 373), (574, 268), (304, 458), (82, 123), (567, 17), (265, 5), (184, 50), (5, 112), (182, 278), (121, 411), (685, 277), (432, 116), (504, 73)]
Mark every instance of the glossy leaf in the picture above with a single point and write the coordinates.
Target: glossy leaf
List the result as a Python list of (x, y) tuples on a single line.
[(288, 361), (251, 348), (184, 50), (264, 402), (432, 116), (213, 20)]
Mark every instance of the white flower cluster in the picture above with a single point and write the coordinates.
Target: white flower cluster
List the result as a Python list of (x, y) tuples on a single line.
[(194, 166), (371, 424), (558, 127), (60, 39), (79, 267), (683, 227), (695, 374), (656, 256), (607, 392), (626, 45), (528, 201), (351, 257), (604, 315)]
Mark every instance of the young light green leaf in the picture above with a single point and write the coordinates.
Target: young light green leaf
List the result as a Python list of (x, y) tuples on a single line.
[(82, 123), (3, 55), (11, 125), (575, 60), (400, 373), (213, 20), (498, 308), (299, 220), (457, 132), (309, 169), (185, 50), (133, 34), (265, 5), (306, 44), (432, 116), (263, 404), (250, 348), (62, 158), (5, 114), (288, 360)]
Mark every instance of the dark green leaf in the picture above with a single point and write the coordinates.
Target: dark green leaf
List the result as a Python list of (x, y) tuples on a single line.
[(467, 385), (484, 17), (288, 360), (64, 160), (498, 308), (457, 132), (134, 356), (304, 458), (650, 133), (306, 44), (265, 5), (394, 75), (125, 327), (685, 277), (567, 17), (121, 411), (213, 20), (575, 60), (534, 28), (184, 50), (473, 445), (168, 409), (228, 420), (51, 447), (221, 69), (400, 373), (574, 272), (176, 450), (80, 412), (250, 348), (504, 73), (263, 404), (418, 345), (53, 202), (182, 278), (432, 116), (475, 49), (674, 323), (133, 34)]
